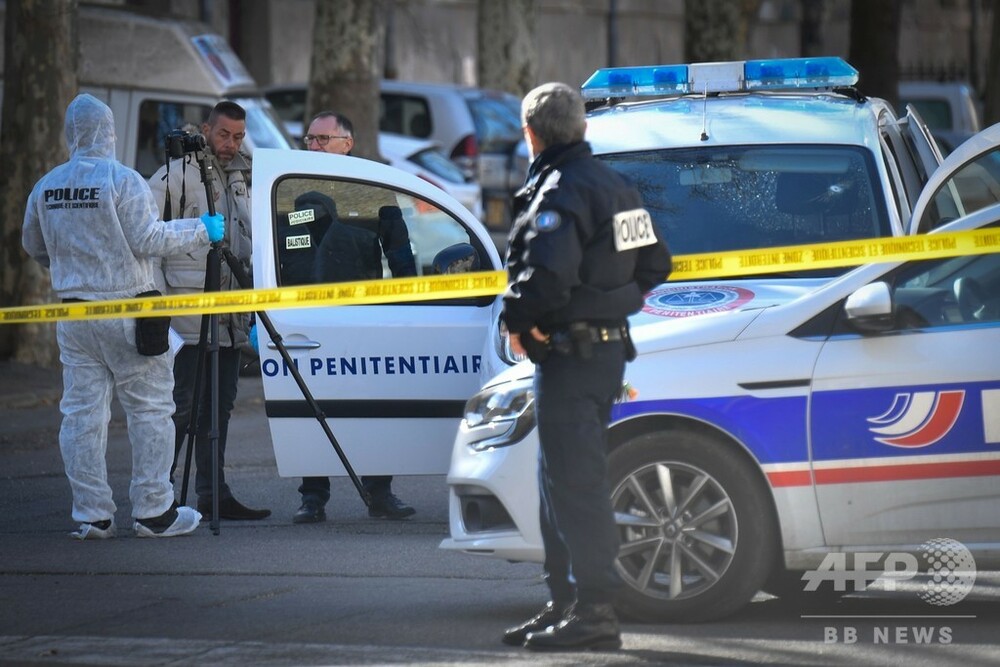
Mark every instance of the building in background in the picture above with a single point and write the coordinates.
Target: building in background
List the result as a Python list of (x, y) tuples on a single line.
[(435, 40)]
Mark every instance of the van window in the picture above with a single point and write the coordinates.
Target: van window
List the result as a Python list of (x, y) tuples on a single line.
[(335, 231), (157, 118), (404, 114)]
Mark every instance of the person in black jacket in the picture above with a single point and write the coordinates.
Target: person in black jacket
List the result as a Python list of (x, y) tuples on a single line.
[(581, 255), (348, 252)]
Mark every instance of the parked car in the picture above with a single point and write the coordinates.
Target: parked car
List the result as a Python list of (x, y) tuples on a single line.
[(422, 158), (795, 417), (477, 128), (764, 438)]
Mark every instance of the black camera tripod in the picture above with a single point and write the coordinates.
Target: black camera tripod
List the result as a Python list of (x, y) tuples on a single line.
[(208, 347)]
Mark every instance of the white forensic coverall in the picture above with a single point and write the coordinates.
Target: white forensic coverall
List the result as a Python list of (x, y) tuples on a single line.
[(93, 222)]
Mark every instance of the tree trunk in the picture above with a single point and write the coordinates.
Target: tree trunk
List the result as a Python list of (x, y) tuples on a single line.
[(874, 47), (344, 72), (811, 28), (40, 57), (714, 30), (991, 106), (506, 39)]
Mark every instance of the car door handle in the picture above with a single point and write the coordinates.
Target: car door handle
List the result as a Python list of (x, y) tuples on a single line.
[(775, 384), (295, 345)]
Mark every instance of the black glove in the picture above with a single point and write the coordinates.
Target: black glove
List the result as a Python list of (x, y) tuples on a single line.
[(538, 350)]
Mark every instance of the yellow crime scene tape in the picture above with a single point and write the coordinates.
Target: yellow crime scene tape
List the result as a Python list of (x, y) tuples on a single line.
[(426, 288), (836, 254), (729, 264)]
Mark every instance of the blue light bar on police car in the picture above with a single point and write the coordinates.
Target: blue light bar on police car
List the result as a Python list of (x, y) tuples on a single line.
[(774, 74), (784, 73), (637, 81)]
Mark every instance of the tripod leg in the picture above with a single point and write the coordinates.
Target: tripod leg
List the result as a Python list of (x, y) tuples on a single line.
[(317, 411), (213, 278), (244, 280), (195, 406)]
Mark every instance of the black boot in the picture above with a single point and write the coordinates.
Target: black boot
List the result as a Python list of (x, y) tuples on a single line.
[(549, 615), (585, 626)]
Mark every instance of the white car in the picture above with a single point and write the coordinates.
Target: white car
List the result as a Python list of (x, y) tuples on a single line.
[(793, 419), (422, 158)]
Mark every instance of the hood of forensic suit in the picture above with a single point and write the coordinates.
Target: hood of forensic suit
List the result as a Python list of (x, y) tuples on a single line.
[(90, 128)]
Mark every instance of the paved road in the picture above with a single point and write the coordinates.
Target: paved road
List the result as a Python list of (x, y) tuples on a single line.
[(352, 591)]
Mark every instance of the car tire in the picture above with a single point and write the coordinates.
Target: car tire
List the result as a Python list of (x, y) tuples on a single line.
[(707, 553)]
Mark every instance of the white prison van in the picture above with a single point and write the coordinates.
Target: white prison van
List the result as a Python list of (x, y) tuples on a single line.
[(161, 74)]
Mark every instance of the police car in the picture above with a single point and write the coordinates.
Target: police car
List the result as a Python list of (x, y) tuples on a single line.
[(393, 379), (793, 419)]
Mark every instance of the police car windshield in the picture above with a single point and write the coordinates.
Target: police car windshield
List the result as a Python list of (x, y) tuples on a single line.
[(712, 198)]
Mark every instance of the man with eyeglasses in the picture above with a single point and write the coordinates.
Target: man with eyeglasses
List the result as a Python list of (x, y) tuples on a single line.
[(331, 132)]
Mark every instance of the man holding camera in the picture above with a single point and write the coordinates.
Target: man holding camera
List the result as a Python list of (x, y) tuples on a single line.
[(93, 222), (177, 186)]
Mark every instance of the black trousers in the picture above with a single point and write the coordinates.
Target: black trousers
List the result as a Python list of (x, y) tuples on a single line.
[(573, 399), (185, 372), (316, 490)]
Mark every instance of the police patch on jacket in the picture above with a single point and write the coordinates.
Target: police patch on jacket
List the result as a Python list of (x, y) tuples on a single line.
[(633, 229), (548, 221)]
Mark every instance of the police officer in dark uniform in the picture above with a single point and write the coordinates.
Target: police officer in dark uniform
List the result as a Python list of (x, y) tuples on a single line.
[(581, 255)]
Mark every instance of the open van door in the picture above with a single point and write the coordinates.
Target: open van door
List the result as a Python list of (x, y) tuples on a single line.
[(391, 379)]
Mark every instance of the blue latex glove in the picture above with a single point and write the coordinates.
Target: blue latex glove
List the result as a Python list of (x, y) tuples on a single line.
[(215, 225), (253, 339)]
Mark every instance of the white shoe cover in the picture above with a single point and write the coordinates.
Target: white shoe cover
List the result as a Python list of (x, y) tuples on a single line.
[(89, 531), (186, 521)]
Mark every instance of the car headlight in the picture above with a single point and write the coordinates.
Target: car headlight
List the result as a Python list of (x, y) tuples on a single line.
[(501, 415)]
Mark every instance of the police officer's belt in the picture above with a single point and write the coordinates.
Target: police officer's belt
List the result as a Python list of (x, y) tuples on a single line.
[(606, 334)]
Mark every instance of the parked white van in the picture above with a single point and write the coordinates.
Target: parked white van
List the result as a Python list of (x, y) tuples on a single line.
[(158, 75)]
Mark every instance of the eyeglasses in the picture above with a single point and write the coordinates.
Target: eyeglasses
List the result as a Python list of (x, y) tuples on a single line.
[(322, 139)]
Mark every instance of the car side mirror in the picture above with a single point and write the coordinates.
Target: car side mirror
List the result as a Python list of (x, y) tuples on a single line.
[(458, 258), (870, 309)]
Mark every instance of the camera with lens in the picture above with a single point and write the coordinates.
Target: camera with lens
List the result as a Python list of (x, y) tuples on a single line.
[(178, 143)]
